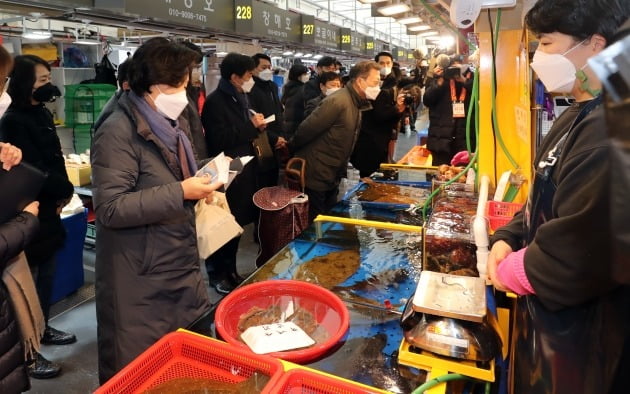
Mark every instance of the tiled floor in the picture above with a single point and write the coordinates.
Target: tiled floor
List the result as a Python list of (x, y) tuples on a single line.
[(79, 360)]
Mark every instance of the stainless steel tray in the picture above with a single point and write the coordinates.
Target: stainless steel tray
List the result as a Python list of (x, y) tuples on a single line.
[(458, 297)]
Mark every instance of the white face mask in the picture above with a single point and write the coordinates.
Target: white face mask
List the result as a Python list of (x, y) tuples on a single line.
[(5, 101), (265, 75), (555, 71), (385, 71), (304, 78), (371, 92), (171, 105), (330, 91), (248, 85)]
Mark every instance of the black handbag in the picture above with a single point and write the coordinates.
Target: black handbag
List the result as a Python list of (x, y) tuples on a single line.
[(264, 153)]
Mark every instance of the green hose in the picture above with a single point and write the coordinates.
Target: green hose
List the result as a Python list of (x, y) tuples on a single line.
[(495, 121), (440, 379)]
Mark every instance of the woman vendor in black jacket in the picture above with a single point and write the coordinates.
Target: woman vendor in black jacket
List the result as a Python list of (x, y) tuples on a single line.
[(573, 318), (29, 125)]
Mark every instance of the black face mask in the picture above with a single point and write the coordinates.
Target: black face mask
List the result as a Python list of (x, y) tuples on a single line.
[(46, 93)]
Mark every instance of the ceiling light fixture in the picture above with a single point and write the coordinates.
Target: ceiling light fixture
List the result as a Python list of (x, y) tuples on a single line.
[(287, 53), (299, 54), (419, 28), (308, 55), (35, 34), (428, 33), (393, 8)]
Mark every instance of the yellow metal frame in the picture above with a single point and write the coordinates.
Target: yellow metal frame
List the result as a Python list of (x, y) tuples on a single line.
[(369, 223), (437, 365)]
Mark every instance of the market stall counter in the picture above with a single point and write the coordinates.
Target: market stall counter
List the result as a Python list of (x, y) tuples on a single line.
[(373, 267)]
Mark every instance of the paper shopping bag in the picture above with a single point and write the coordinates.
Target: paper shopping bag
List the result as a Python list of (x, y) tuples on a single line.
[(215, 224)]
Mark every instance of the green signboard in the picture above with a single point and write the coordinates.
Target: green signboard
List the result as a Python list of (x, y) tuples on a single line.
[(206, 14), (257, 18), (326, 35), (370, 46), (346, 39), (357, 43), (308, 29)]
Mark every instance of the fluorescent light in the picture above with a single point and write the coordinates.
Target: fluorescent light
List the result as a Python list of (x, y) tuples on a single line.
[(299, 54), (287, 53), (36, 34), (316, 57), (393, 9), (308, 55), (429, 33), (409, 20), (221, 53), (419, 28), (85, 41)]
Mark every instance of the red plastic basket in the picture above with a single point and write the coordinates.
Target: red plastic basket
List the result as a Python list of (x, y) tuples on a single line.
[(185, 355), (315, 299), (307, 382), (500, 213)]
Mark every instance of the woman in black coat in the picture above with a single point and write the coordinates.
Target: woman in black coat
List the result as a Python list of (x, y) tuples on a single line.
[(293, 99), (29, 125), (14, 235), (230, 127)]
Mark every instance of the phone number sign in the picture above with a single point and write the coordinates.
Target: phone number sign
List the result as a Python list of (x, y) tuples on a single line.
[(214, 14)]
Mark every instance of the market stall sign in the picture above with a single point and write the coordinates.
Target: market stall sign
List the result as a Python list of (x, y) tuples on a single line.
[(254, 17), (357, 43), (307, 29), (326, 35), (346, 39), (207, 14), (369, 47), (401, 53)]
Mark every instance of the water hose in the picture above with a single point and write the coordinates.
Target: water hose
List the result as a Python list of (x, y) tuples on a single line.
[(440, 379)]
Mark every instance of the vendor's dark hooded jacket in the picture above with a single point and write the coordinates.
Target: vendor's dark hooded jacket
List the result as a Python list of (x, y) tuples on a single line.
[(148, 278), (582, 321), (33, 131)]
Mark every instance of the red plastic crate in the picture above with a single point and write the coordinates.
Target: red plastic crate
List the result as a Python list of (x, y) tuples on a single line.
[(306, 382), (500, 213), (186, 355)]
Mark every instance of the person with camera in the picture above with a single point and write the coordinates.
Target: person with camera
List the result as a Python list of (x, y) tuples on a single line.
[(447, 97), (388, 106)]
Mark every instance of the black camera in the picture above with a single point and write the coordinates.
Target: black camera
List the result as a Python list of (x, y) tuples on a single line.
[(452, 72), (409, 99)]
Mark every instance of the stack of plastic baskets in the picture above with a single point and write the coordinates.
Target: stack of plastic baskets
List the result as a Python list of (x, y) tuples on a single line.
[(500, 213), (84, 104)]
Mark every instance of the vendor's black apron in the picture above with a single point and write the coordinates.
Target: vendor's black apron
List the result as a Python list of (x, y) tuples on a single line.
[(574, 350)]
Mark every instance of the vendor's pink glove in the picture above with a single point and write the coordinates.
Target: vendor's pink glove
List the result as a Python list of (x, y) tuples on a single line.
[(511, 272), (460, 158)]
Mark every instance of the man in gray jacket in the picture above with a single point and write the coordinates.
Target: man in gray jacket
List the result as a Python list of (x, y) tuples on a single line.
[(326, 138)]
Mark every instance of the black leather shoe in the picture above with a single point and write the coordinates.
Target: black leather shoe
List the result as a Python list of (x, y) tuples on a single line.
[(52, 336), (42, 368), (225, 286)]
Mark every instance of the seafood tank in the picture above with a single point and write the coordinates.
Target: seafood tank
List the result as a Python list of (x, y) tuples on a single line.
[(374, 271)]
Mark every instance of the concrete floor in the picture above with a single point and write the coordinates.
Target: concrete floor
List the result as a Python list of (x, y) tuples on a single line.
[(77, 313)]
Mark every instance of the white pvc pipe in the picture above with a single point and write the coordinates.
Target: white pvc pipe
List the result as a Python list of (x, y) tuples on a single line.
[(480, 229)]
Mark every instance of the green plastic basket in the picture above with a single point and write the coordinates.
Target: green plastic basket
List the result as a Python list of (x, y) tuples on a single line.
[(84, 102)]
